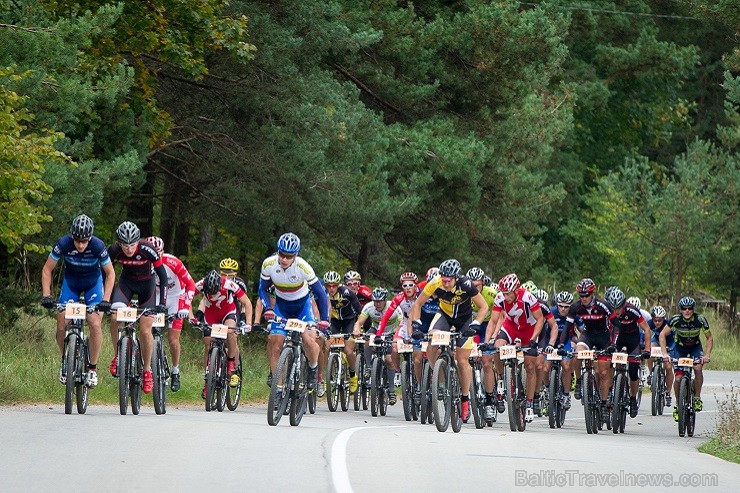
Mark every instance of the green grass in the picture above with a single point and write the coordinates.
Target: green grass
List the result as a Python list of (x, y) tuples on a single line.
[(725, 443), (726, 351), (30, 361)]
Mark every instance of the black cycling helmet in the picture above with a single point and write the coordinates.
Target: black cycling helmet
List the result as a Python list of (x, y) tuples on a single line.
[(687, 302), (450, 268), (82, 227), (212, 283)]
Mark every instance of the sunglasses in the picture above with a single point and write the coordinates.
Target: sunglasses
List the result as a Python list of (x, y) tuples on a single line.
[(584, 295), (332, 286), (286, 255), (353, 283), (128, 246), (564, 307), (447, 279), (81, 240), (687, 309), (408, 285)]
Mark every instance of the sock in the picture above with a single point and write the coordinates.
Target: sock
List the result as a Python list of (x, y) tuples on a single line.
[(464, 398), (175, 370), (351, 374)]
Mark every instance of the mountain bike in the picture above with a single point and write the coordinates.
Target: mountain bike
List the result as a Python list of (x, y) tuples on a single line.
[(362, 370), (621, 391), (516, 398), (130, 366), (76, 356), (289, 386), (478, 390), (378, 375), (425, 406), (590, 398), (686, 396), (160, 366), (657, 382), (337, 384), (219, 394), (446, 395), (409, 385), (555, 408)]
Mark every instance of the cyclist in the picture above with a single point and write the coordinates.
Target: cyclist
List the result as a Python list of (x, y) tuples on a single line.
[(688, 325), (456, 295), (228, 268), (635, 301), (522, 319), (657, 324), (546, 343), (218, 306), (563, 300), (353, 280), (630, 321), (373, 313), (85, 261), (139, 262), (180, 292), (345, 307), (293, 278), (478, 277), (601, 327)]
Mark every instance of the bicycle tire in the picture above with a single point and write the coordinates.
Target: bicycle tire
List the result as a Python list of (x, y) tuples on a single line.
[(510, 387), (82, 391), (233, 394), (684, 401), (691, 421), (311, 397), (406, 391), (553, 411), (520, 373), (211, 379), (299, 396), (441, 395), (280, 389), (344, 392), (375, 389), (618, 407), (476, 406), (424, 406), (655, 401), (360, 373), (223, 381), (160, 380), (70, 362), (662, 390), (332, 383), (455, 398), (135, 382), (589, 405), (122, 368)]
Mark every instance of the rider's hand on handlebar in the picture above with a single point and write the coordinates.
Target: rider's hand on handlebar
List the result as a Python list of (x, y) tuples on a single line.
[(323, 325), (378, 339), (103, 306), (549, 349), (417, 334), (269, 315), (244, 328), (160, 308), (182, 314), (47, 302), (611, 349)]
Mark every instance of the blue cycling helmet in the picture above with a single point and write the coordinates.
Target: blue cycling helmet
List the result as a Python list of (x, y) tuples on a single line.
[(289, 243)]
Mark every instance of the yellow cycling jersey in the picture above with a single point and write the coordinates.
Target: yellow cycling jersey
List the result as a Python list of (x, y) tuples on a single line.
[(489, 294), (455, 303)]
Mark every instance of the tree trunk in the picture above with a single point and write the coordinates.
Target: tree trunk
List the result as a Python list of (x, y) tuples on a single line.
[(140, 206), (362, 258)]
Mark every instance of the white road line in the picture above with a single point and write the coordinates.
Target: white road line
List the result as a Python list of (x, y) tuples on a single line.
[(338, 462)]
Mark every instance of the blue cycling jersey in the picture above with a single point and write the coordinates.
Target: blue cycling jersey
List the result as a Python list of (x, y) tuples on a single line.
[(80, 265)]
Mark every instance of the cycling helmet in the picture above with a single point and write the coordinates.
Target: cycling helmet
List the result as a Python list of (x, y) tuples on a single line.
[(542, 295), (475, 274), (82, 227), (289, 243), (686, 302), (379, 294), (450, 268), (157, 243), (508, 283), (128, 233), (616, 298), (487, 280), (228, 265), (409, 276), (634, 301), (564, 297), (586, 286), (609, 290), (332, 277), (658, 311), (433, 271), (352, 275), (530, 286), (212, 283)]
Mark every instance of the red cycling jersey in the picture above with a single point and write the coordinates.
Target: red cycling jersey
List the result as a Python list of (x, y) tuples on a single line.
[(222, 304)]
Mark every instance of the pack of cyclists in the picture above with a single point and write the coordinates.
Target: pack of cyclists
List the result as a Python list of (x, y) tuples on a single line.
[(486, 315)]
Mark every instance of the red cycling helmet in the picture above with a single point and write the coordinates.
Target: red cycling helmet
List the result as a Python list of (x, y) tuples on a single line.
[(409, 276), (586, 286), (509, 283)]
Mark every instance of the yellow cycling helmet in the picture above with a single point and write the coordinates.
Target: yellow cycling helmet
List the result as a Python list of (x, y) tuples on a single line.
[(228, 265)]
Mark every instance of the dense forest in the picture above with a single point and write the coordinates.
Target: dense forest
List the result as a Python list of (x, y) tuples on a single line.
[(556, 139)]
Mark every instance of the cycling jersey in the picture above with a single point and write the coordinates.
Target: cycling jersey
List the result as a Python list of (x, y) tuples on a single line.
[(544, 338), (399, 301), (180, 288), (292, 286), (597, 317), (669, 339), (687, 331), (344, 304), (489, 294), (221, 306), (376, 315), (560, 320), (519, 319), (81, 266), (139, 268), (630, 320), (457, 302)]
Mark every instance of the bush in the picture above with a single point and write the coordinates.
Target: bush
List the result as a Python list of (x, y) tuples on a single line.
[(725, 444)]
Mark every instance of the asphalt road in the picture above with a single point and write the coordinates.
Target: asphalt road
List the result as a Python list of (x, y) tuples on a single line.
[(189, 449)]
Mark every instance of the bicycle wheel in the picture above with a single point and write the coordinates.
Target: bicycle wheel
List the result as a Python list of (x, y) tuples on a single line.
[(383, 386), (135, 382), (424, 406), (223, 381), (70, 362), (476, 405), (521, 399), (554, 403), (406, 390), (590, 403), (691, 421), (662, 390), (510, 388), (375, 387), (655, 397), (332, 383), (160, 378), (455, 397), (124, 372), (212, 379), (300, 395), (618, 409), (81, 388), (281, 385), (344, 384), (234, 393), (684, 401), (441, 394)]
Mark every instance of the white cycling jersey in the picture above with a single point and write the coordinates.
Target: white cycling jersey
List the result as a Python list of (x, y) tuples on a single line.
[(375, 315), (291, 283)]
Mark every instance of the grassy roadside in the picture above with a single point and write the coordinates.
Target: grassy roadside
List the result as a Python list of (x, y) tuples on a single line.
[(725, 443), (30, 360)]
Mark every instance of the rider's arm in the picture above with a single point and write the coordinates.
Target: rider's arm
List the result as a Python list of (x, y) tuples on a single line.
[(109, 274), (662, 338), (46, 276), (162, 273), (359, 323), (246, 306), (387, 314), (264, 293), (553, 330), (483, 308), (322, 300), (648, 334), (539, 322), (415, 312), (616, 327), (491, 329), (710, 345)]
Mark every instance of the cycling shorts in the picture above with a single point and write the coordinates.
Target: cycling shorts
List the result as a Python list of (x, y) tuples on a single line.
[(302, 309), (72, 289), (510, 332), (220, 315), (595, 340), (345, 326), (127, 288), (680, 351)]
